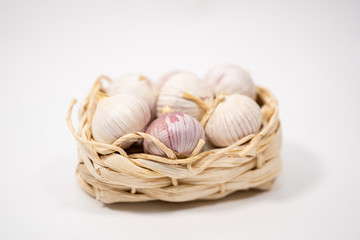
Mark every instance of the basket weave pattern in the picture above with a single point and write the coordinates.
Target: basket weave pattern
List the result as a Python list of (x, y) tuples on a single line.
[(108, 173)]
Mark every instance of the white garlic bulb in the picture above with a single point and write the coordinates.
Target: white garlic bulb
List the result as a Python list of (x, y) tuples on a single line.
[(119, 115), (234, 118), (179, 132), (137, 84), (164, 78), (171, 95), (231, 79)]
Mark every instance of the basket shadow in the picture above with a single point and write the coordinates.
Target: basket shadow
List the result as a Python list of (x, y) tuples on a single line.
[(301, 172)]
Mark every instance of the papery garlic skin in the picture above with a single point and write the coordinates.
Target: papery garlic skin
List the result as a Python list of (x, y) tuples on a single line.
[(118, 115), (179, 132), (231, 79), (164, 78), (234, 118), (135, 83), (171, 95)]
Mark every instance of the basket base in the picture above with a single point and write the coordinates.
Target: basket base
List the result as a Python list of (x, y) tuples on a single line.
[(169, 194)]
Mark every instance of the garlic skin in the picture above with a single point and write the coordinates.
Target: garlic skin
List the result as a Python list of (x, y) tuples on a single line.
[(231, 79), (118, 115), (179, 132), (135, 83), (164, 78), (171, 95), (234, 118)]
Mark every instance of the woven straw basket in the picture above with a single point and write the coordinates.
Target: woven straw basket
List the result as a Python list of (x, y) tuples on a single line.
[(111, 174)]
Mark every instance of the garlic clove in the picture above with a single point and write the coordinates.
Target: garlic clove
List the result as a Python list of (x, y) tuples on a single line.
[(135, 83), (118, 115), (234, 118), (171, 95), (179, 132), (231, 79)]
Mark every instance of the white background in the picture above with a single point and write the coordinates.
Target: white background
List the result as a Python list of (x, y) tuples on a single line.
[(306, 52)]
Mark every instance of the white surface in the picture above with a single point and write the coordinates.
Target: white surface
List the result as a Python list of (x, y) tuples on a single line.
[(307, 52)]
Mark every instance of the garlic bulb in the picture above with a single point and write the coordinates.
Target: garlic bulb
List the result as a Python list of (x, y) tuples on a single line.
[(231, 79), (234, 118), (171, 95), (167, 76), (138, 84), (179, 132), (119, 115)]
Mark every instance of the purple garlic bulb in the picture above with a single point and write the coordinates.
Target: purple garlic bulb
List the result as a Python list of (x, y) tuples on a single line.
[(178, 131)]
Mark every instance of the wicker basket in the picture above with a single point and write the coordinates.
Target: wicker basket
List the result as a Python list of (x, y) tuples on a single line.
[(110, 174)]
